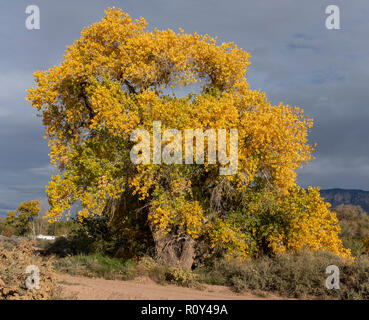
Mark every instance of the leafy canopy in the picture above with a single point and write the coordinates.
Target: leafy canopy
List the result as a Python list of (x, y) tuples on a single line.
[(120, 76)]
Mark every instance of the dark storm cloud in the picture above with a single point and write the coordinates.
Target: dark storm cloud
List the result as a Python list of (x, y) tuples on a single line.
[(295, 59)]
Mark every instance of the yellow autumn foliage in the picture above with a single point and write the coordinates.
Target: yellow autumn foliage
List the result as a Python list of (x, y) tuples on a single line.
[(120, 76)]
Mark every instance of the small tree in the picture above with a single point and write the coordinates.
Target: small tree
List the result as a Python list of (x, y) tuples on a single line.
[(21, 219), (11, 217), (28, 211)]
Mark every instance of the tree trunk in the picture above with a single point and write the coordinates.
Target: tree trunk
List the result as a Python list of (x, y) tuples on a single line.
[(33, 229), (165, 247), (188, 253), (171, 251)]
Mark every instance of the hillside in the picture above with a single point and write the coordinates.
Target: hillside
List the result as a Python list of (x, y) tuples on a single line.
[(344, 196)]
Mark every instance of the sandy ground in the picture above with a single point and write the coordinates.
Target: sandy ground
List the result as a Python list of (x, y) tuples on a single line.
[(82, 288)]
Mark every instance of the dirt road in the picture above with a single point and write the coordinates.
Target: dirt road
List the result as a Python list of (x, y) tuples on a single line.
[(82, 288)]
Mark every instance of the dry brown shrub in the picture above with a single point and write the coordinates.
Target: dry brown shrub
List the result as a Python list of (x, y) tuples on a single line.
[(146, 264), (14, 260)]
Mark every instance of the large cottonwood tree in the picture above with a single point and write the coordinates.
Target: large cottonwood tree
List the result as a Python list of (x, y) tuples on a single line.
[(119, 76)]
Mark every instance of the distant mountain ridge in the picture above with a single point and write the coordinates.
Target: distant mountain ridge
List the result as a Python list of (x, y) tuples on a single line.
[(346, 196)]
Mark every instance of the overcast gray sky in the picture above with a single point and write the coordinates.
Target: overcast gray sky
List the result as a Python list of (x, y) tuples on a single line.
[(295, 59)]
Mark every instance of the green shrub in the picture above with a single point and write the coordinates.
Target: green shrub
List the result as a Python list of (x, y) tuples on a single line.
[(96, 265), (354, 223), (356, 245), (294, 275), (182, 277), (355, 278), (158, 274), (93, 235)]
